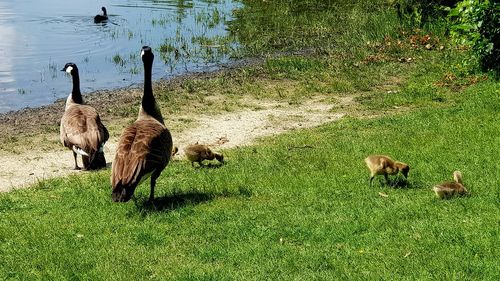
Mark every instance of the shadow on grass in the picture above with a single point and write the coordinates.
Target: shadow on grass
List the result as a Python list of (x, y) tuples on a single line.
[(173, 201), (211, 166), (179, 200), (401, 183)]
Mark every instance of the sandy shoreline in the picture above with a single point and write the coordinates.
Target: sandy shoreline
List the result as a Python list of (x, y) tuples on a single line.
[(22, 120), (31, 150)]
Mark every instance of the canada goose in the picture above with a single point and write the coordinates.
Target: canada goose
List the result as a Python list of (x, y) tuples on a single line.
[(384, 165), (198, 153), (101, 18), (145, 147), (81, 128), (449, 189)]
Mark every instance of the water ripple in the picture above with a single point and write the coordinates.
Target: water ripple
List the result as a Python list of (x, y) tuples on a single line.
[(38, 37)]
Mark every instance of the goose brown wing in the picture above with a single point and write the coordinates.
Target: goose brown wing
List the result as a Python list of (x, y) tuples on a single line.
[(82, 126), (143, 147)]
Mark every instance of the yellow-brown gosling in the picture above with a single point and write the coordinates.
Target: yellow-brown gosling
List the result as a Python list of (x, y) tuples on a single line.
[(81, 128), (199, 152), (384, 165), (145, 147), (447, 190)]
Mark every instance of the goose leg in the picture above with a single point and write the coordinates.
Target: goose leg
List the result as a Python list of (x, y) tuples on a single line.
[(86, 163), (371, 179), (386, 179), (76, 163), (152, 192), (154, 176)]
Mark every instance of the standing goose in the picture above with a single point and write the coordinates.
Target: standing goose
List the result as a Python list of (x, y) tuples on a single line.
[(101, 18), (81, 128), (145, 147)]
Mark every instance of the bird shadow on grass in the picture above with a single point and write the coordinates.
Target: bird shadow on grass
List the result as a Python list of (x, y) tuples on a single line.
[(179, 199), (173, 201), (211, 166), (401, 183)]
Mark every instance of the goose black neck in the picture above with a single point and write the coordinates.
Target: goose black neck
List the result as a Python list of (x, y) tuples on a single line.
[(76, 95), (148, 99)]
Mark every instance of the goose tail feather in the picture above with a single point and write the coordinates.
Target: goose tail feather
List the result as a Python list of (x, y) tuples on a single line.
[(79, 151)]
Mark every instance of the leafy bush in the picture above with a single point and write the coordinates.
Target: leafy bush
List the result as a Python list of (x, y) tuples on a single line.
[(476, 23), (420, 12)]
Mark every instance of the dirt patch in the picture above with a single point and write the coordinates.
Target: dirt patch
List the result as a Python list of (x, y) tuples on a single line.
[(235, 129), (33, 121), (244, 127)]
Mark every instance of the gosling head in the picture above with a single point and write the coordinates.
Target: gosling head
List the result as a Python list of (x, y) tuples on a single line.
[(405, 170), (219, 157), (457, 176)]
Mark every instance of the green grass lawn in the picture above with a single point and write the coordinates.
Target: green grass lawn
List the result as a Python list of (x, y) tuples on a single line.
[(296, 206)]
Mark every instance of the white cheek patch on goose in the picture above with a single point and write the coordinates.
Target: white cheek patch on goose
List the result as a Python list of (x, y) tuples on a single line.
[(142, 53), (69, 69)]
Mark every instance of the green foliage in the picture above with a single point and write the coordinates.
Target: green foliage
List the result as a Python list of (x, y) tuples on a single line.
[(269, 26), (416, 13), (476, 23)]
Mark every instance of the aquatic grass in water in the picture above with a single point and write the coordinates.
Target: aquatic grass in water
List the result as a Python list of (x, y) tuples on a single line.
[(117, 59), (57, 33)]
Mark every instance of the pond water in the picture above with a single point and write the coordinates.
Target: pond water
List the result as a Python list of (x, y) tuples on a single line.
[(38, 37)]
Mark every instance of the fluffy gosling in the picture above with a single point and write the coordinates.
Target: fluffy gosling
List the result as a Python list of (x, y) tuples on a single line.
[(384, 165), (447, 190), (199, 152)]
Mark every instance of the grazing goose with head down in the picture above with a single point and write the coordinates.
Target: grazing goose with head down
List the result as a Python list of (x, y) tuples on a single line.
[(145, 147), (101, 18), (81, 128)]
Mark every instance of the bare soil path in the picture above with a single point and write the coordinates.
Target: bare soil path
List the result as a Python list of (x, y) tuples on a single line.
[(227, 130)]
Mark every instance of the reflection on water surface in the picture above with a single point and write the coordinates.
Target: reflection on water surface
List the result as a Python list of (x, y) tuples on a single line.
[(38, 37)]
